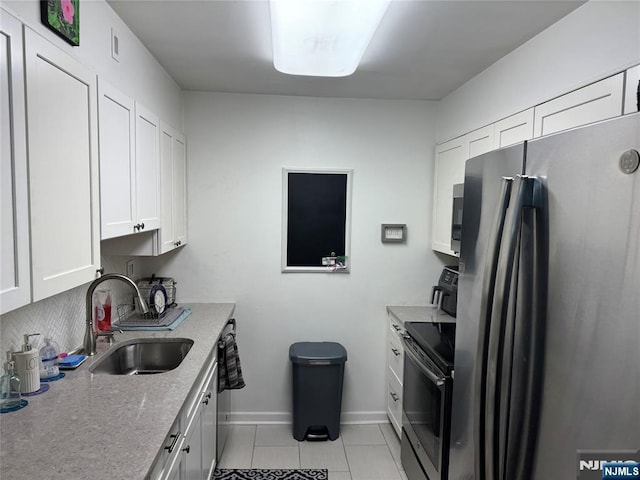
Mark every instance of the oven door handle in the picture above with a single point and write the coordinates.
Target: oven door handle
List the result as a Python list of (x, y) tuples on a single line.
[(437, 379)]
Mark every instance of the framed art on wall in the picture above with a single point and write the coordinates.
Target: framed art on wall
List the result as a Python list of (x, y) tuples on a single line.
[(63, 18)]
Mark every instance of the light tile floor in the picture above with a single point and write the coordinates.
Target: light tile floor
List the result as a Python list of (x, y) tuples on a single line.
[(362, 452)]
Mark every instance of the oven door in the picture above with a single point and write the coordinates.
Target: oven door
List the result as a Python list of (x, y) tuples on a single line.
[(426, 416)]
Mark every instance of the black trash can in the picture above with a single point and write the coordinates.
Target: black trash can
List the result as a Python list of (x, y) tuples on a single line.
[(318, 372)]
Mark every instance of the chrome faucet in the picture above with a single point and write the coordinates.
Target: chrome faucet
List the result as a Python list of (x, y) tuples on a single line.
[(90, 334)]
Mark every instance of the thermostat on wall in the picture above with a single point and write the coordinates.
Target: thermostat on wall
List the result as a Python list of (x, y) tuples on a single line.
[(394, 232)]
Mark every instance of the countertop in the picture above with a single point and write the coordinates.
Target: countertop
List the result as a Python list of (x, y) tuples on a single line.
[(107, 426), (427, 313)]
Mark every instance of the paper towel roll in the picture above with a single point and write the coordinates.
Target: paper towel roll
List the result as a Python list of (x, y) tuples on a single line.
[(28, 369)]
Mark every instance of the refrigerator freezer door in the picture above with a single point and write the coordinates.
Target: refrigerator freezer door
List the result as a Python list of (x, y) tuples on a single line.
[(483, 180), (591, 382)]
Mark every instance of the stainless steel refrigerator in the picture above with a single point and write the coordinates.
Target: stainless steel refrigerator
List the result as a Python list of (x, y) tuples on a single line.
[(547, 360)]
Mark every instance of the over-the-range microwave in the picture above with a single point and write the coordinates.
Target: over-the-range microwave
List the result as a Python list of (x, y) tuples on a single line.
[(456, 217)]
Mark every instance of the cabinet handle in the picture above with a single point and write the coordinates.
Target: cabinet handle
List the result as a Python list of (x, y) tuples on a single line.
[(208, 395), (173, 442), (395, 352), (142, 226), (187, 449), (394, 396), (206, 401), (136, 227), (396, 327)]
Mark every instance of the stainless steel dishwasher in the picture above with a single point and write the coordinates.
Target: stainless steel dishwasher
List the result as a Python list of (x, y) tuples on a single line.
[(224, 397)]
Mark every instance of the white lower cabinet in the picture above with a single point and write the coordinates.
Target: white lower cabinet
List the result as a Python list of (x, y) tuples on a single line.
[(191, 454), (395, 367)]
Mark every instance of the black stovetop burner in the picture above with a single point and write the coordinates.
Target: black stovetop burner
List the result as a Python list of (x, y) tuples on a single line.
[(437, 340)]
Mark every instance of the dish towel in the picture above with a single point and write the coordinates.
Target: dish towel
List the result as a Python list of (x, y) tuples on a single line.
[(230, 374)]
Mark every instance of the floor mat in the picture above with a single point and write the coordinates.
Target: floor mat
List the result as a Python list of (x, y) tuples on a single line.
[(256, 474)]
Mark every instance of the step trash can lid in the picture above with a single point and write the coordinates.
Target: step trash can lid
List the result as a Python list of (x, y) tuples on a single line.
[(317, 353)]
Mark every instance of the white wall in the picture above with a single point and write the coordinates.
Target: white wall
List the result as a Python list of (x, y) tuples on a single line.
[(138, 74), (237, 147), (595, 40)]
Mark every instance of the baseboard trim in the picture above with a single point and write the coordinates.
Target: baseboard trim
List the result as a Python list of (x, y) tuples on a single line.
[(286, 418)]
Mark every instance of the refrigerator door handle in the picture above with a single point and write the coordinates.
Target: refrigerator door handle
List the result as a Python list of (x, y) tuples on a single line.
[(500, 345), (528, 337), (488, 289)]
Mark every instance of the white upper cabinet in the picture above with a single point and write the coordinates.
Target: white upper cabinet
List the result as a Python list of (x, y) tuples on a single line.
[(632, 90), (595, 102), (173, 229), (63, 168), (147, 169), (117, 162), (15, 279), (478, 142), (514, 129), (449, 170)]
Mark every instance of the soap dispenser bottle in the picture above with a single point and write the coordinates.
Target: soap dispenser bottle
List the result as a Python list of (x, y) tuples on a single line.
[(49, 359), (9, 385), (28, 366)]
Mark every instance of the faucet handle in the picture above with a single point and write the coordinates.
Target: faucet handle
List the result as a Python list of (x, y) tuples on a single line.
[(109, 335)]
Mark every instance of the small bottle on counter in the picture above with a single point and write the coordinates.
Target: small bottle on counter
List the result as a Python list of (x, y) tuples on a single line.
[(28, 366), (9, 385), (49, 359)]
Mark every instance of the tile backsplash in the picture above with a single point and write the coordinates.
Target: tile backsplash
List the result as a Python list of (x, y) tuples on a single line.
[(62, 317)]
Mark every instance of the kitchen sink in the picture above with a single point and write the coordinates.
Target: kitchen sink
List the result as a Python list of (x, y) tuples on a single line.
[(143, 356)]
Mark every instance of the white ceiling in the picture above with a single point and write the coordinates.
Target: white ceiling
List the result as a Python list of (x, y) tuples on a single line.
[(423, 49)]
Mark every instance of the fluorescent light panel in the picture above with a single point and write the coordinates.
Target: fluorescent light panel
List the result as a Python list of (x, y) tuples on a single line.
[(323, 38)]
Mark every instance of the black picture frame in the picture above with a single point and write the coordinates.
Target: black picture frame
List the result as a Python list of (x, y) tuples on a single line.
[(63, 18)]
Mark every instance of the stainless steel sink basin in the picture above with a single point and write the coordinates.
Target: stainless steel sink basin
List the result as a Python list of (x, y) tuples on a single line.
[(143, 356)]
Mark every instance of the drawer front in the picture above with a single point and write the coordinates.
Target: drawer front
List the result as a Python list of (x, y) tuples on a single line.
[(394, 403), (395, 326), (396, 357)]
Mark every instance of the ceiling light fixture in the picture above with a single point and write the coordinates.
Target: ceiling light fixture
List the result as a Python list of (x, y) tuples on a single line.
[(322, 38)]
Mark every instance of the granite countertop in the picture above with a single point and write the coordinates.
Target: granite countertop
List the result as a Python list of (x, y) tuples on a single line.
[(427, 313), (107, 426)]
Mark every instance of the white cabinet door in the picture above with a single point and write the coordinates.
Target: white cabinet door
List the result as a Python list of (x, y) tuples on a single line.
[(63, 168), (180, 189), (172, 233), (595, 102), (209, 419), (395, 372), (15, 274), (632, 90), (192, 447), (394, 403), (147, 169), (478, 142), (449, 170), (117, 162), (514, 129)]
